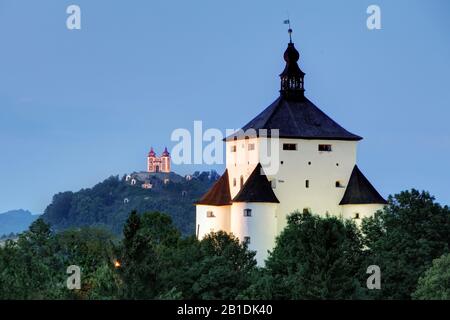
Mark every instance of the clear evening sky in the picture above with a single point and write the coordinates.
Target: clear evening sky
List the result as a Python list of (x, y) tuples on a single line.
[(78, 106)]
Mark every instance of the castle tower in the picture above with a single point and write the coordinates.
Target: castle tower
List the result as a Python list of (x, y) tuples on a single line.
[(317, 170)]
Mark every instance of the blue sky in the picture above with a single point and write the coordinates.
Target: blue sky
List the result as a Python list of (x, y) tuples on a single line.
[(78, 106)]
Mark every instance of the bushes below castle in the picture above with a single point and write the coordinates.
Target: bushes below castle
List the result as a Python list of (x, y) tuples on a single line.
[(314, 258)]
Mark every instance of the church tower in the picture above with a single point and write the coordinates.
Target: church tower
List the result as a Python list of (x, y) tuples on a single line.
[(165, 161), (158, 164), (151, 161), (317, 170)]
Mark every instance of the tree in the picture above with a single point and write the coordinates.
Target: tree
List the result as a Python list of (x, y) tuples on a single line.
[(403, 240), (30, 268), (315, 258), (104, 284), (225, 268), (91, 250), (435, 283), (137, 262)]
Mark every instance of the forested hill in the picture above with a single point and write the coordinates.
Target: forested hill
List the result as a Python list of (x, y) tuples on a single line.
[(109, 203)]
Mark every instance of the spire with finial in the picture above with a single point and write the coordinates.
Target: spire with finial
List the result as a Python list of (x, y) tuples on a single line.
[(288, 22), (152, 152), (292, 77), (165, 152)]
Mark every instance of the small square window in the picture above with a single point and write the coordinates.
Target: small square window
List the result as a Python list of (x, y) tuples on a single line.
[(339, 184), (247, 212), (325, 147), (251, 146), (233, 149), (247, 240), (289, 146), (210, 214)]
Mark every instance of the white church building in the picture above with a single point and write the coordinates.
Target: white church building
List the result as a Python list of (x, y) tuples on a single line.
[(317, 171)]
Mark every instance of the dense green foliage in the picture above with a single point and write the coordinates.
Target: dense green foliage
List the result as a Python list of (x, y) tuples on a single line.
[(35, 266), (314, 258), (435, 283), (157, 262), (104, 204), (404, 239)]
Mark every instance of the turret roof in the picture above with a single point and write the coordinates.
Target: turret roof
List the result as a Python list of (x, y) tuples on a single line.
[(360, 190), (257, 188), (219, 194)]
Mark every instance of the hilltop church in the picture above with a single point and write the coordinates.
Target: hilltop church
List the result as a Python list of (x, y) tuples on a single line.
[(158, 164), (317, 171)]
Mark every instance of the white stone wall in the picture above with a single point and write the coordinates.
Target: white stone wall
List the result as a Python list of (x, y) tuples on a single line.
[(321, 168), (260, 227), (349, 211), (241, 162), (220, 221)]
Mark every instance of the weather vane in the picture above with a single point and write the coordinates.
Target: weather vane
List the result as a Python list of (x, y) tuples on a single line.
[(288, 22)]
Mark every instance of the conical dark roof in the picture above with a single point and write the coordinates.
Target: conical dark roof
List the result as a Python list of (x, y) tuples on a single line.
[(219, 194), (297, 118), (360, 190), (257, 188)]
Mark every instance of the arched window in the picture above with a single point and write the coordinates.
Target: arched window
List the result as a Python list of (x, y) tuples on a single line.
[(242, 181)]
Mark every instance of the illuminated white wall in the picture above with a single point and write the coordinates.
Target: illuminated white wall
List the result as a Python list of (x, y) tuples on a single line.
[(260, 227), (220, 221), (349, 211), (322, 169)]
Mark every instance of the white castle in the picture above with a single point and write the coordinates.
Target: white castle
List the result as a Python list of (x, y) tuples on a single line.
[(317, 171)]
